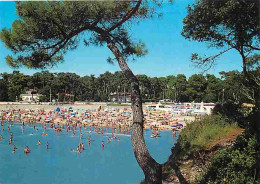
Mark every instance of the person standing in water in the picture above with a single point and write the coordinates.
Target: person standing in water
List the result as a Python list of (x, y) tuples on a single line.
[(102, 145), (47, 145), (81, 135), (26, 150), (11, 137), (39, 143), (82, 146), (173, 133), (10, 142), (13, 151), (89, 137)]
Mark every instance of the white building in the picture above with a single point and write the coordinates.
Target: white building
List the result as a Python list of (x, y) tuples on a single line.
[(30, 96), (184, 108), (120, 97)]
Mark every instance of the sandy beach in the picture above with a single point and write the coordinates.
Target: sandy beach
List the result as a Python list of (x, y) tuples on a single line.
[(94, 114), (5, 106)]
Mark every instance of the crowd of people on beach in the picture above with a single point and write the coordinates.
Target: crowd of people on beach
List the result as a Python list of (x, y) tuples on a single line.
[(97, 121)]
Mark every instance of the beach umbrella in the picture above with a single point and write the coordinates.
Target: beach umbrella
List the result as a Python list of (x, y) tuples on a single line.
[(58, 109)]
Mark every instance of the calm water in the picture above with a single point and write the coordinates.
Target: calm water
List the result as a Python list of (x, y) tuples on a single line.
[(116, 164)]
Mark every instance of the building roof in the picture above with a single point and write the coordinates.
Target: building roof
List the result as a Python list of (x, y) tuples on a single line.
[(120, 94), (30, 95)]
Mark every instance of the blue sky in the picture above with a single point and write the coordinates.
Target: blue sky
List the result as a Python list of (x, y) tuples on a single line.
[(169, 53)]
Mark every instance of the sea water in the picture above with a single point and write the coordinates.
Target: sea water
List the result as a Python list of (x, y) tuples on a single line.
[(116, 164)]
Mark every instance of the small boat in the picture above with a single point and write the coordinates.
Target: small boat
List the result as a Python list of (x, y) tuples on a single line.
[(155, 135)]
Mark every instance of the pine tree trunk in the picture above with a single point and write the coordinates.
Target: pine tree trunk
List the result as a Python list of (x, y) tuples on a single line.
[(152, 170)]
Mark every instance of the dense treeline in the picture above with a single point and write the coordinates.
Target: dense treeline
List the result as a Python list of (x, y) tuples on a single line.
[(178, 88)]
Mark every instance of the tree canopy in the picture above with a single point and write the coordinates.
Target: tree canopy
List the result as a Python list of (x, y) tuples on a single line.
[(178, 88), (45, 31), (229, 24)]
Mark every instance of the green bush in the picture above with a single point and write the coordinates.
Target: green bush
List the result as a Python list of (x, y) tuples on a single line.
[(236, 164), (201, 133)]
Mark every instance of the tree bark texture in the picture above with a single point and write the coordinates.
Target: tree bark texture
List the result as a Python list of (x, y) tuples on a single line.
[(152, 170)]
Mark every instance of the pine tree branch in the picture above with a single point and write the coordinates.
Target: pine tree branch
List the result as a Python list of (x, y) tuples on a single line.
[(250, 46), (126, 17)]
